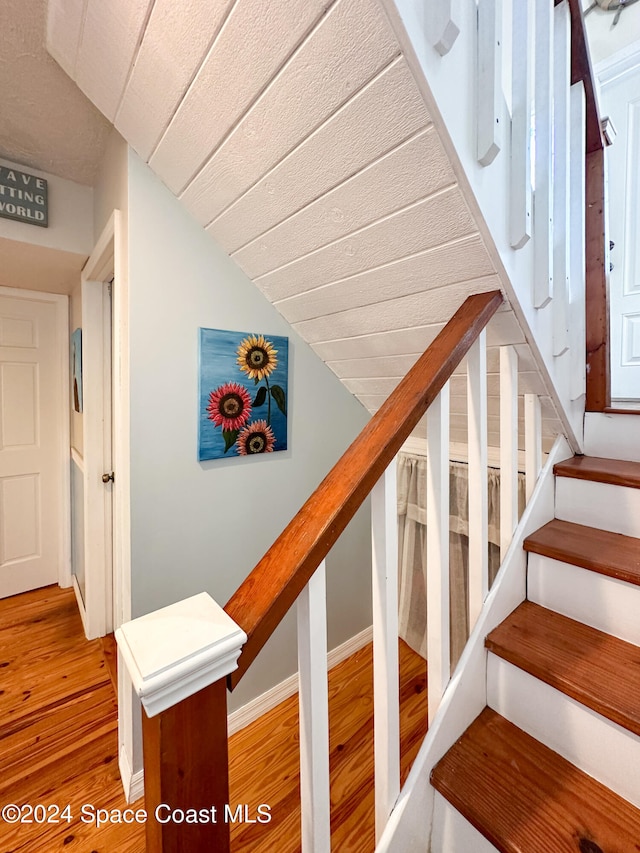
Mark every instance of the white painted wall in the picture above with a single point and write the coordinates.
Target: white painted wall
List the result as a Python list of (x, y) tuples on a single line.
[(605, 39), (203, 526), (112, 185), (48, 259), (70, 216)]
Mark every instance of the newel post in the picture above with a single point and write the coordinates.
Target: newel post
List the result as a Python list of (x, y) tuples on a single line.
[(178, 659)]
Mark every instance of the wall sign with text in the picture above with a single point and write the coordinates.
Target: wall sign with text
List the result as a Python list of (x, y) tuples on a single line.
[(23, 197)]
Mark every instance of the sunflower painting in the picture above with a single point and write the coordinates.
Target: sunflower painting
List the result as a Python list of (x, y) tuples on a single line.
[(243, 394)]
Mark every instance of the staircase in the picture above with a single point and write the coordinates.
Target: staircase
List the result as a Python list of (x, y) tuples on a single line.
[(553, 762)]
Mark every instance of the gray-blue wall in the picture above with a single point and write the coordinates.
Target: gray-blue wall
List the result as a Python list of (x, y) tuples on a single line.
[(203, 526)]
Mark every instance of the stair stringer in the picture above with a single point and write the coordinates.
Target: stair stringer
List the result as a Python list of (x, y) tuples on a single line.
[(410, 825)]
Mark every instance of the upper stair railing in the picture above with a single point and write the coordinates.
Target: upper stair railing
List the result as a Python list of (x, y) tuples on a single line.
[(513, 84)]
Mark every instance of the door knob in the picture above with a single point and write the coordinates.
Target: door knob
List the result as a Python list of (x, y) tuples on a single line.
[(106, 478)]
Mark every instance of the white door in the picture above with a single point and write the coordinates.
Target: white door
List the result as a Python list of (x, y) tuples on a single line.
[(621, 101), (31, 515)]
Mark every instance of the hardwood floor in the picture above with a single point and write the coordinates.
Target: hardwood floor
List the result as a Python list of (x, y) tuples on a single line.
[(58, 727), (58, 740)]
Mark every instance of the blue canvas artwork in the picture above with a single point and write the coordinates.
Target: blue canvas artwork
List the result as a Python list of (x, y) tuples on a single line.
[(243, 394), (76, 369)]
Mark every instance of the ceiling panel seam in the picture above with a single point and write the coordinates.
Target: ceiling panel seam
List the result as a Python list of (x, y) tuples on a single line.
[(396, 60), (305, 36), (134, 58), (431, 291), (430, 197), (300, 142), (428, 128), (205, 56), (258, 97), (456, 241)]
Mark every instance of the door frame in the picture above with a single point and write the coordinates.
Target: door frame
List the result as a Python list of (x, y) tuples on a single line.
[(61, 304), (105, 366)]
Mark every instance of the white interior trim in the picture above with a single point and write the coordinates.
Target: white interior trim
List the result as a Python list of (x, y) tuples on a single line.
[(619, 63), (76, 456), (98, 525), (133, 782), (459, 452), (289, 687), (176, 651), (61, 303), (107, 261), (81, 607)]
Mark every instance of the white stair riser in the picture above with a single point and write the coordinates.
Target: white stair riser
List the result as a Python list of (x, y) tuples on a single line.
[(605, 603), (453, 833), (601, 748), (601, 505), (612, 436)]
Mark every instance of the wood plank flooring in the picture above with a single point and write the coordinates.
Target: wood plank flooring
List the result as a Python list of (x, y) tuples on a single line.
[(58, 740)]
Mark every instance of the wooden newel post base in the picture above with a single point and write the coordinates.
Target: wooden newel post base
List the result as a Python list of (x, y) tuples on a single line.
[(178, 659), (186, 774)]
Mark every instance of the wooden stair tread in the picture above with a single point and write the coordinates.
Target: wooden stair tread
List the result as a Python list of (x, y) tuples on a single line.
[(594, 668), (524, 798), (614, 471), (611, 554)]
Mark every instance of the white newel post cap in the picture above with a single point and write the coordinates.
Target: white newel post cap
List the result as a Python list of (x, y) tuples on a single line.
[(174, 652)]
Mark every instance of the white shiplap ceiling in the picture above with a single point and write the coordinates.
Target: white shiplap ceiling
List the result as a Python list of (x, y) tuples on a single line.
[(294, 132)]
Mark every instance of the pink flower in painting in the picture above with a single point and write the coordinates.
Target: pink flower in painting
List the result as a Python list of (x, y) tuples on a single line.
[(229, 406), (256, 438)]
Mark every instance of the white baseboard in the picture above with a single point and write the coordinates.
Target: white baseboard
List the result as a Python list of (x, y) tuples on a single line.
[(289, 687), (133, 783)]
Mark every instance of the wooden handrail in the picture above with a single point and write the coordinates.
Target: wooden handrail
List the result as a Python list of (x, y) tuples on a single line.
[(581, 69), (596, 255), (270, 590)]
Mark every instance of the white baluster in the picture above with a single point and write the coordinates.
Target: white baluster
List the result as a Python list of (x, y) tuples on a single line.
[(438, 642), (532, 442), (386, 679), (561, 86), (577, 343), (543, 196), (521, 97), (478, 490), (314, 715), (440, 26), (508, 446), (489, 98)]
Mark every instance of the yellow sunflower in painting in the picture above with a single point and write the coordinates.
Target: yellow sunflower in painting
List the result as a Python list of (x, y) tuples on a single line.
[(257, 357)]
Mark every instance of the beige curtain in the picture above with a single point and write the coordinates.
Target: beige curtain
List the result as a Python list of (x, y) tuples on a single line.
[(412, 501)]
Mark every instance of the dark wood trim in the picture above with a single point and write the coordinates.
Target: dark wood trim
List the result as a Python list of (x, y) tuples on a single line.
[(596, 669), (186, 766), (597, 286), (616, 472), (266, 595), (611, 554), (611, 410), (597, 256), (581, 69), (523, 797)]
